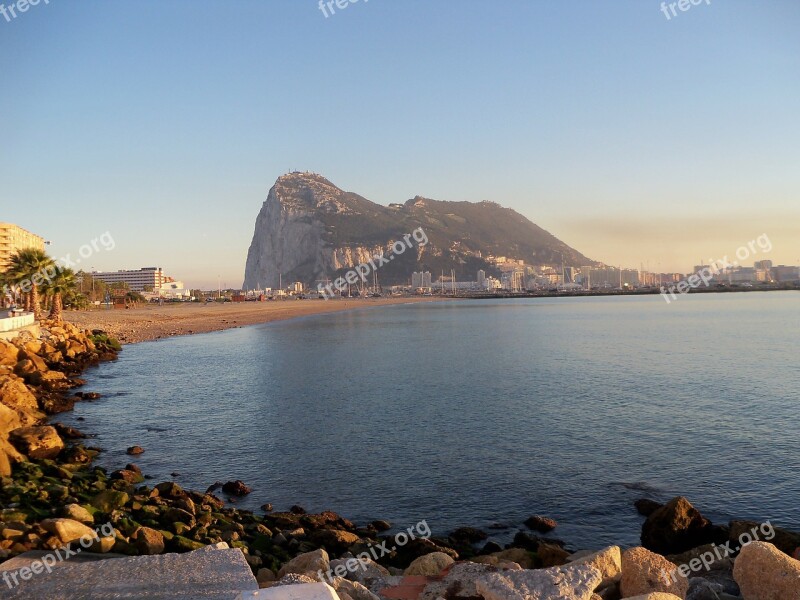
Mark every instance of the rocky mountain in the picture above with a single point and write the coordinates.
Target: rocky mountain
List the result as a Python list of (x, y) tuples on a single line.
[(309, 230)]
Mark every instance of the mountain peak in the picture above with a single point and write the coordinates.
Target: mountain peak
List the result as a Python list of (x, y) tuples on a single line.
[(310, 230)]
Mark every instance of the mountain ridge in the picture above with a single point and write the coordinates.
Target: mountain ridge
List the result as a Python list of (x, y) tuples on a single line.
[(310, 230)]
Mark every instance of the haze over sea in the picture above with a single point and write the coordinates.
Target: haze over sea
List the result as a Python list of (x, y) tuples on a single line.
[(478, 412)]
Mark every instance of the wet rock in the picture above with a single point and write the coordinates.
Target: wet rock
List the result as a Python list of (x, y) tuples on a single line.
[(468, 535), (170, 489), (742, 532), (108, 501), (334, 540), (763, 572), (134, 450), (89, 395), (127, 476), (491, 547), (68, 433), (381, 525), (540, 524), (405, 555), (676, 527), (53, 403), (267, 508), (297, 510), (236, 488), (647, 507)]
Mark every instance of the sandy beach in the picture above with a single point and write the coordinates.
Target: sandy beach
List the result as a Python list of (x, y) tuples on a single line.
[(154, 322)]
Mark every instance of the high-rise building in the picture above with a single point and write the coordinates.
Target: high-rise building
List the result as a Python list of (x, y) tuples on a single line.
[(146, 277), (14, 238), (481, 278)]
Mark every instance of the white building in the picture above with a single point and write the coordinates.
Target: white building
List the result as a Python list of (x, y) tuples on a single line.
[(146, 277)]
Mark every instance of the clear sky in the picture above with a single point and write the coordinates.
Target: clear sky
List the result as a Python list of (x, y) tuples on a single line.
[(632, 137)]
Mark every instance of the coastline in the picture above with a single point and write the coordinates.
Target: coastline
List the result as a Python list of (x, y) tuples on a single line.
[(150, 323), (56, 495)]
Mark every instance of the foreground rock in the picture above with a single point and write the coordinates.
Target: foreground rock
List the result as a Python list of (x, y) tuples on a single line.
[(37, 442), (557, 583), (430, 564), (644, 572), (607, 561), (210, 574), (676, 527), (765, 573)]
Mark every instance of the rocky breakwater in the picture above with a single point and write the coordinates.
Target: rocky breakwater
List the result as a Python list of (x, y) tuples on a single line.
[(35, 377)]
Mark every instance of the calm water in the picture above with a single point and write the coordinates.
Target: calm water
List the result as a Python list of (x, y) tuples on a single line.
[(479, 412)]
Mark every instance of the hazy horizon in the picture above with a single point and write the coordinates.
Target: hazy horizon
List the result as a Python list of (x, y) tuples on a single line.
[(640, 141)]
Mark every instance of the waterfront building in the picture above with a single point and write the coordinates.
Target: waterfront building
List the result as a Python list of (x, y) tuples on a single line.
[(147, 277), (14, 238)]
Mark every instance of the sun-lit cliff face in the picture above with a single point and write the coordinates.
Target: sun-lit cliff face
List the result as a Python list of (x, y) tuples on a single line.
[(309, 230)]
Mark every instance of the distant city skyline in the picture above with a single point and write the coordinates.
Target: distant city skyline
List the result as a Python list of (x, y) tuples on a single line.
[(640, 141)]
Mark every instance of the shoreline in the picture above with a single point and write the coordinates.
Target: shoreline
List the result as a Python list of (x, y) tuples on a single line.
[(151, 323), (58, 491)]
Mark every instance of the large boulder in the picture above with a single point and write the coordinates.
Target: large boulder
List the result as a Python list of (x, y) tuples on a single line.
[(743, 532), (570, 582), (37, 442), (459, 582), (15, 394), (429, 564), (9, 354), (765, 573), (644, 572), (76, 512), (68, 530), (8, 456), (9, 420), (335, 541), (309, 564), (608, 561), (109, 500), (148, 541), (676, 527)]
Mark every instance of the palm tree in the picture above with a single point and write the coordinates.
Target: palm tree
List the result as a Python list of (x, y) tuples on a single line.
[(63, 283), (28, 267)]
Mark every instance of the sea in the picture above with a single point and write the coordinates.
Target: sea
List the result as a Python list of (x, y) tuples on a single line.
[(477, 413)]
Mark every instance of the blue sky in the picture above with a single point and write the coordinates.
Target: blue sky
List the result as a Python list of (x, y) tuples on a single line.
[(634, 138)]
